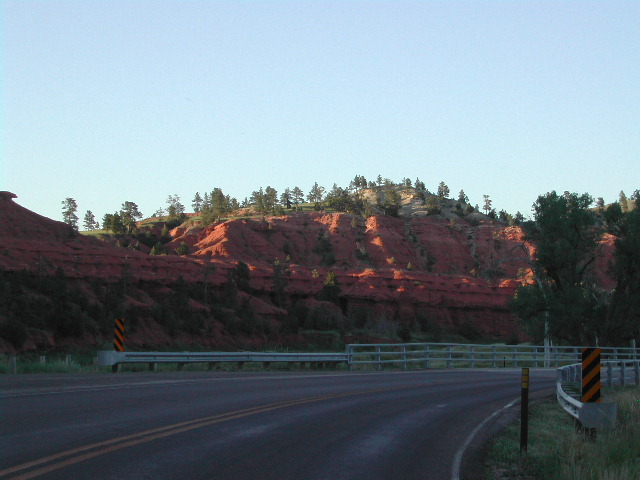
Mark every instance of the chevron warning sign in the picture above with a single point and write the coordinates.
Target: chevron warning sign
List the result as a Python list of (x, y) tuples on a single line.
[(591, 375), (118, 335)]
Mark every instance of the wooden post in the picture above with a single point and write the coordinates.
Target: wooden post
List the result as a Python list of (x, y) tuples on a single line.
[(524, 411)]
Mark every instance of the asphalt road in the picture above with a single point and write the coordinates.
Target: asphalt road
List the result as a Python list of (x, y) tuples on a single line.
[(242, 425)]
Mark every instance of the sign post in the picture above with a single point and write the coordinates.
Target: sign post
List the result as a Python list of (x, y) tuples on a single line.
[(524, 411), (118, 339), (591, 384)]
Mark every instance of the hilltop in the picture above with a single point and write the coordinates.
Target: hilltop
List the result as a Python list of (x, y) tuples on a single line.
[(305, 277)]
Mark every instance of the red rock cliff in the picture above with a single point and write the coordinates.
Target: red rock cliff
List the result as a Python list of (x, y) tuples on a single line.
[(450, 272)]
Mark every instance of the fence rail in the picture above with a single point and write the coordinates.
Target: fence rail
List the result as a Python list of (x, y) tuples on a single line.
[(439, 355)]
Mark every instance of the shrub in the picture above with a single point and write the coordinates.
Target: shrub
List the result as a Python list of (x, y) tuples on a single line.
[(14, 332)]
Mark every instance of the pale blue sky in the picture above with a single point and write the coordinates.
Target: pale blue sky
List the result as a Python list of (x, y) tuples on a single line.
[(119, 101)]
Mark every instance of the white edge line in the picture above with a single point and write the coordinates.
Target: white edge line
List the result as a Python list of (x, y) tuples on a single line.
[(457, 460)]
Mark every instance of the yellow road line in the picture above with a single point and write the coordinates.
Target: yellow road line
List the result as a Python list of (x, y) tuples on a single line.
[(108, 446)]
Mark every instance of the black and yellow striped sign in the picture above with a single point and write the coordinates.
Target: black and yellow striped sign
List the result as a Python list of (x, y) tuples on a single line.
[(118, 335), (591, 375)]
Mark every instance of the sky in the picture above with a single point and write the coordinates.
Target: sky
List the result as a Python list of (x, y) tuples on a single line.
[(108, 102)]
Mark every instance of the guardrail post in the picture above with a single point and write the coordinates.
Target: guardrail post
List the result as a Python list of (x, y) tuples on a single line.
[(378, 359), (404, 357), (13, 362), (623, 375), (349, 357), (473, 357), (67, 360), (555, 356), (515, 357), (636, 371), (153, 366), (43, 360), (448, 356), (426, 356), (615, 354), (493, 356), (535, 357), (610, 375)]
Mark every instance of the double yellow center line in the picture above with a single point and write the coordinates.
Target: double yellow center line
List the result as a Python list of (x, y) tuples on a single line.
[(60, 460)]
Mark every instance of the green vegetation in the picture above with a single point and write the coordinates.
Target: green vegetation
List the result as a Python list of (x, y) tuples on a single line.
[(69, 209), (565, 302), (559, 451)]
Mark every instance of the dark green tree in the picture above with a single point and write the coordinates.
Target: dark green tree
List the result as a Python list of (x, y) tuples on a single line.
[(487, 204), (433, 206), (562, 301), (183, 249), (90, 221), (443, 190), (623, 314), (113, 222), (297, 196), (197, 202), (286, 198), (280, 282), (242, 276), (69, 209), (330, 289), (129, 213), (623, 201), (462, 197), (316, 196), (270, 199), (175, 209)]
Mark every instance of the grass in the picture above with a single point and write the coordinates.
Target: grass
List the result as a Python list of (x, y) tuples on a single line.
[(560, 451), (56, 366)]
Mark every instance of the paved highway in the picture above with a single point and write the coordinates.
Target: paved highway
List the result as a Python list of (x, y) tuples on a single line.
[(242, 425)]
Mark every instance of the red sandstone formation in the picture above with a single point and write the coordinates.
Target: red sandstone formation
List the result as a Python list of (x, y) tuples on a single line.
[(450, 272)]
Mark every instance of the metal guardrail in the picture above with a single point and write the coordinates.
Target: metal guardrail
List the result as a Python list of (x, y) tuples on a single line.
[(392, 355), (113, 358), (430, 355), (569, 391)]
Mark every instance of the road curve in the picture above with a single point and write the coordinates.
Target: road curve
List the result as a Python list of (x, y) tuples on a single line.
[(242, 425)]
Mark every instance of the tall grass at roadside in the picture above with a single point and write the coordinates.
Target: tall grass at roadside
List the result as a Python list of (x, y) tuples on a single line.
[(559, 451), (34, 366)]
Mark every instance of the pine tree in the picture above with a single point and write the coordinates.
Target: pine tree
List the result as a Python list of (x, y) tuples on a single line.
[(487, 204), (297, 196), (69, 209), (286, 198), (316, 195), (623, 202), (129, 214), (462, 197), (443, 190), (197, 203), (90, 221)]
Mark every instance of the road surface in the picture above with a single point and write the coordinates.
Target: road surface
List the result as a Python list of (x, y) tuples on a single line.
[(243, 425)]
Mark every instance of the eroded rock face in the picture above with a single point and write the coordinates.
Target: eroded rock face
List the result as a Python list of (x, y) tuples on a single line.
[(425, 268)]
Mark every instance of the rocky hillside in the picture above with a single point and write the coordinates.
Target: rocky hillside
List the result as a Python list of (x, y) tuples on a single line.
[(306, 271)]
